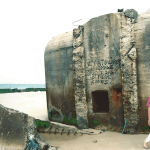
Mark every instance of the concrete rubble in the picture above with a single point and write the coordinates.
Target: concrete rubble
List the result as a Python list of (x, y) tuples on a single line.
[(19, 131), (58, 128)]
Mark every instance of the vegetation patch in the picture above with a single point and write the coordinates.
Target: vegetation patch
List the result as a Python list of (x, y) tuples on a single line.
[(5, 91), (73, 121), (70, 122), (21, 90), (95, 122), (66, 121), (42, 124), (34, 89)]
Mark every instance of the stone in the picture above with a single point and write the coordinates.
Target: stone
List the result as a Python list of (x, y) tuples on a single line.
[(19, 130), (95, 141), (131, 13)]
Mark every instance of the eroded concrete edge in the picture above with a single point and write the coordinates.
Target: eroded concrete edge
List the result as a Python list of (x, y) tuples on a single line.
[(19, 131), (129, 70), (79, 78)]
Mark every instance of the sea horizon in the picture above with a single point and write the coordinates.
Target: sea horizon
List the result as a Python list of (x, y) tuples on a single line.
[(20, 86)]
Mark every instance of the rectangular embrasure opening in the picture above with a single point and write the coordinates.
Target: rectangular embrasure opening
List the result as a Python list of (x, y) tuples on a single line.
[(100, 101)]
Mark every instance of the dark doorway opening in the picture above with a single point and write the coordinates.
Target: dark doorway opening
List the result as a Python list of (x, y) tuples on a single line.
[(100, 101)]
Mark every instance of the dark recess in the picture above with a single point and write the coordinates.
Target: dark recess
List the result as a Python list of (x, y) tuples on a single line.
[(100, 101), (118, 90)]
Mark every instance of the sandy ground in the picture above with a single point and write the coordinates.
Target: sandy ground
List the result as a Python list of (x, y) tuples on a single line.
[(34, 104), (31, 103)]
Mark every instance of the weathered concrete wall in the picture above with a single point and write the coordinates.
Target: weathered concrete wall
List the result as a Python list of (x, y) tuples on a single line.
[(129, 69), (142, 31), (79, 78), (108, 65), (103, 68), (59, 78), (19, 131)]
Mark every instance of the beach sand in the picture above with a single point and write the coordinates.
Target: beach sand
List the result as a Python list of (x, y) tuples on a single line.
[(34, 104), (31, 103)]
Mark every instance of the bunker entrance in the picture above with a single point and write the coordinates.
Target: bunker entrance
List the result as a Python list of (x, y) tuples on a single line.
[(100, 101)]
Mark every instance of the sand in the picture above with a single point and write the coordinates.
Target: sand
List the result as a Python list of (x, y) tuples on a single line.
[(31, 103), (34, 104)]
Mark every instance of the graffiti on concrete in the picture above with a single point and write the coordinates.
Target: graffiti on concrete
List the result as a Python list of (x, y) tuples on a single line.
[(101, 70)]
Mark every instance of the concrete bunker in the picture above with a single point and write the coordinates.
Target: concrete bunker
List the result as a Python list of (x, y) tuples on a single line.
[(100, 101), (108, 53)]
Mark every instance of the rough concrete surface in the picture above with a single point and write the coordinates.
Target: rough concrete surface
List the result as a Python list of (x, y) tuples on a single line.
[(103, 73), (19, 131), (33, 102), (142, 35), (129, 70), (58, 72), (79, 78), (108, 65)]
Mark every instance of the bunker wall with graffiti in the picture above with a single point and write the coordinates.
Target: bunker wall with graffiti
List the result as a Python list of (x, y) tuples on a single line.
[(98, 75), (103, 70)]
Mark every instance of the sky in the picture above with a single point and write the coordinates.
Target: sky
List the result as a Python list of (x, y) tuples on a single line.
[(26, 26)]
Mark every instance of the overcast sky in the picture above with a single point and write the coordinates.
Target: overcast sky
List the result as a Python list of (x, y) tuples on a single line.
[(26, 26)]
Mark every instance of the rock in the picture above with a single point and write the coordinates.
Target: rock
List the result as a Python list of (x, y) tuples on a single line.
[(18, 130), (95, 141), (131, 13)]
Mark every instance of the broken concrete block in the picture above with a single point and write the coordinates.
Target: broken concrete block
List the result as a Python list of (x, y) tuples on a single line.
[(55, 127), (67, 129), (19, 131)]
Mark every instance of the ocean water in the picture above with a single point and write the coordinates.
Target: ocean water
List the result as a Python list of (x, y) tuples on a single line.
[(21, 86)]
